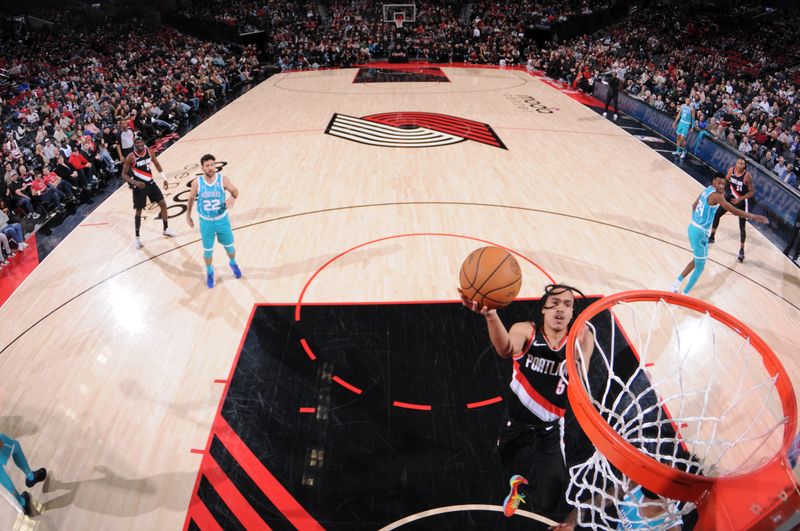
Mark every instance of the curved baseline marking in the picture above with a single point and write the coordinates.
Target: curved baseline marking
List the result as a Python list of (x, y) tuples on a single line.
[(464, 508)]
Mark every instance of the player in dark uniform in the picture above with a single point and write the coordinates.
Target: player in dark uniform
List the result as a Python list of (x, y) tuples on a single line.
[(137, 173), (530, 438), (738, 191)]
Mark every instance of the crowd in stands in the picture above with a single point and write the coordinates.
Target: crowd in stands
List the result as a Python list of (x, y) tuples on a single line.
[(355, 31), (738, 83), (736, 76), (72, 101)]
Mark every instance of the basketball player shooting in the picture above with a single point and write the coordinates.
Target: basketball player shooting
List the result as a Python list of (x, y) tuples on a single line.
[(530, 438), (212, 209), (137, 173), (704, 210)]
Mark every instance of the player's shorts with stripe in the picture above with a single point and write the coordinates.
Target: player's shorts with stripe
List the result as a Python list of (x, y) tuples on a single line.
[(150, 191), (698, 239), (220, 229), (683, 129)]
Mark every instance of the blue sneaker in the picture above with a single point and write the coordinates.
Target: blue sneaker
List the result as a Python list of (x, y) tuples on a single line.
[(236, 271), (210, 279)]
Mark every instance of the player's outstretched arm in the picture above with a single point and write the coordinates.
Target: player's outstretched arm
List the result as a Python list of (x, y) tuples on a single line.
[(505, 342), (736, 212), (190, 203)]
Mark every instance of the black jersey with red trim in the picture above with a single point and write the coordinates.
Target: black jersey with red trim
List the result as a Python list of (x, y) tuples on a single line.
[(737, 187), (538, 392), (141, 166)]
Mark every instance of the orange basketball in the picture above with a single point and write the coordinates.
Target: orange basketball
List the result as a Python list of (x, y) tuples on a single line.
[(490, 276)]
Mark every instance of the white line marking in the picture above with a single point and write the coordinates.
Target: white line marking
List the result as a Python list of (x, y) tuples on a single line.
[(460, 508)]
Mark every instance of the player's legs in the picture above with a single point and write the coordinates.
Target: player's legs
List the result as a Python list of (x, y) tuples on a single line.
[(717, 216), (550, 473), (678, 138), (535, 454), (137, 223), (155, 195), (225, 237), (699, 242), (12, 448), (207, 235), (680, 141), (743, 229)]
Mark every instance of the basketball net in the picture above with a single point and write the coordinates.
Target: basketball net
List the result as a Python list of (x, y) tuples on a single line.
[(702, 414), (399, 18)]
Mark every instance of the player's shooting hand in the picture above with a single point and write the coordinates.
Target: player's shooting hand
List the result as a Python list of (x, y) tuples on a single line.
[(473, 305), (189, 221)]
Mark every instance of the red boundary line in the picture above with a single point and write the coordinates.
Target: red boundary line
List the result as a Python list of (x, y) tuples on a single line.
[(231, 496), (202, 516), (348, 386), (308, 349), (407, 405), (482, 403), (308, 410), (92, 224), (299, 303), (380, 303), (263, 478), (219, 406)]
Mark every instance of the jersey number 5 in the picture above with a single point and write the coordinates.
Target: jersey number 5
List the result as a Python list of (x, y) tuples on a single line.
[(562, 384)]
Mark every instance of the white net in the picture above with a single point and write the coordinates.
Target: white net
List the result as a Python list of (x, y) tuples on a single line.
[(684, 389)]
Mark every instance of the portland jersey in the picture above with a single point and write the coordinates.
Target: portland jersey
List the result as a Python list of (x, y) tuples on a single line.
[(703, 214), (538, 393), (141, 166), (211, 198), (736, 185), (686, 114)]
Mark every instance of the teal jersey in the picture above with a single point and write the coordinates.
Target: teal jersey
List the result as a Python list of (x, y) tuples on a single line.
[(210, 198), (686, 114), (630, 518), (703, 214)]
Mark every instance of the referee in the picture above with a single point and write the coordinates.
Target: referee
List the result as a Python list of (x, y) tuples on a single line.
[(617, 77)]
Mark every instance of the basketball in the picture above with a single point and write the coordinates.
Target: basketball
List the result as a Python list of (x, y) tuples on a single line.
[(491, 277)]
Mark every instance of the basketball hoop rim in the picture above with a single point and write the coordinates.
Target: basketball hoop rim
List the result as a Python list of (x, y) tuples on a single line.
[(643, 469)]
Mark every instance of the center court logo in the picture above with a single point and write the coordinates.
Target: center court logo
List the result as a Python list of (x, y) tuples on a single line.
[(411, 130)]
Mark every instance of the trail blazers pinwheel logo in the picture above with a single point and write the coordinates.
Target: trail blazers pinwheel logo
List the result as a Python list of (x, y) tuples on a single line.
[(411, 130)]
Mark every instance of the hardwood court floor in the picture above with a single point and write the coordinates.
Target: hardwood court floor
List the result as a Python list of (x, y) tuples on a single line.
[(109, 355)]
